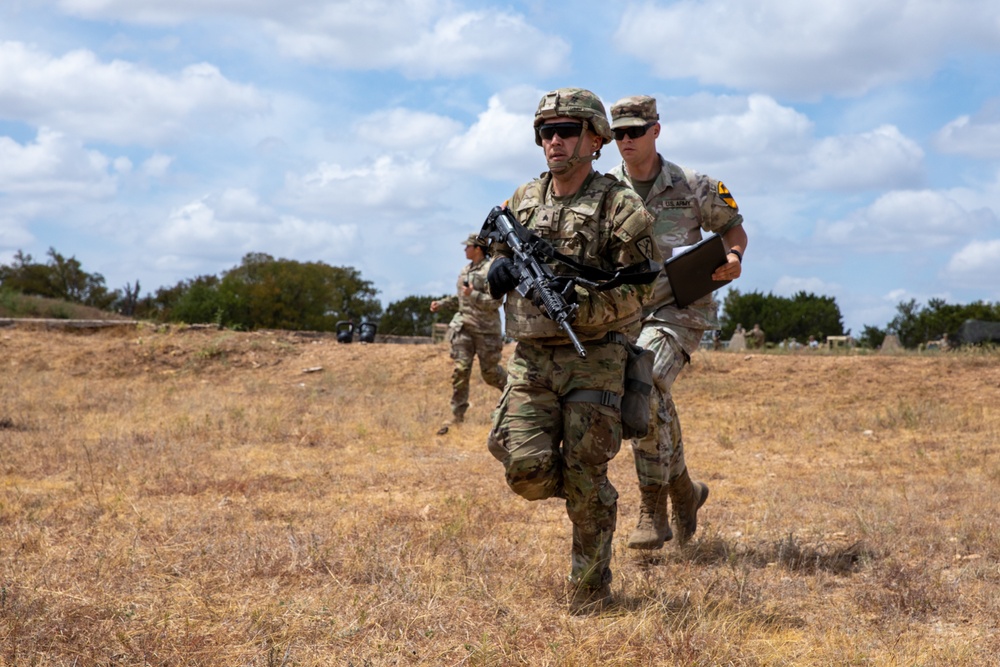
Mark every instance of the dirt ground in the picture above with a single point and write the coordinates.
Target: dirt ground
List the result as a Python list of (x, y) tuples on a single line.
[(195, 496)]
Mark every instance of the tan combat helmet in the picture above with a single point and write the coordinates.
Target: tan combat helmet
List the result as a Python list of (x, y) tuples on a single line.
[(574, 103)]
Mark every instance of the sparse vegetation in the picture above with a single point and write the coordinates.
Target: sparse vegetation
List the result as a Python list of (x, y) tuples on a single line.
[(16, 304), (197, 498)]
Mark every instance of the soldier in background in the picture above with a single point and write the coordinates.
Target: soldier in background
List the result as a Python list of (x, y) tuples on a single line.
[(474, 330), (683, 204), (558, 423), (756, 337)]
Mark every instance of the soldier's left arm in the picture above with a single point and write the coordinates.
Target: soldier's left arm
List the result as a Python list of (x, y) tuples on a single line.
[(720, 214)]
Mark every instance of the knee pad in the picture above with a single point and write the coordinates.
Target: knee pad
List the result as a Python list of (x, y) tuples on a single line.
[(535, 478)]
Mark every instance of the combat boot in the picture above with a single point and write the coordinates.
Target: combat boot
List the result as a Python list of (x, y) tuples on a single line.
[(654, 524), (587, 600), (686, 498)]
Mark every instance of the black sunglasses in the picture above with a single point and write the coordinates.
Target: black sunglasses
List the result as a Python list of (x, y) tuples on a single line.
[(632, 132), (564, 130)]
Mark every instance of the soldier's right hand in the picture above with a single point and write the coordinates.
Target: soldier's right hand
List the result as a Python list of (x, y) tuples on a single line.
[(501, 277)]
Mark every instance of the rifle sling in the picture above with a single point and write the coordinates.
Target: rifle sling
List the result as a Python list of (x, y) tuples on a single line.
[(641, 273)]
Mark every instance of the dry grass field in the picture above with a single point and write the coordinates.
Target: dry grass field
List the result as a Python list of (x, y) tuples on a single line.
[(216, 498)]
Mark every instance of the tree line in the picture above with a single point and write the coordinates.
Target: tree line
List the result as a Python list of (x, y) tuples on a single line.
[(267, 293), (261, 293)]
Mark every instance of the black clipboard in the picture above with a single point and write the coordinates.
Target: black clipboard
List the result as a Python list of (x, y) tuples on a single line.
[(690, 273)]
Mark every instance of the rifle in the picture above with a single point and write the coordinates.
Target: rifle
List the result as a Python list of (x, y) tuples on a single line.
[(535, 275)]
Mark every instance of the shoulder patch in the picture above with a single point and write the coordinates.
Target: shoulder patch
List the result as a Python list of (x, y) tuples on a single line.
[(726, 196), (645, 246)]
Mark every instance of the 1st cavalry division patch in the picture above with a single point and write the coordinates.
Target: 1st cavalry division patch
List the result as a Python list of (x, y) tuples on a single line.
[(726, 195)]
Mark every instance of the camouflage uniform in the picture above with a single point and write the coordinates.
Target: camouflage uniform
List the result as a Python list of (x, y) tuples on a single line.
[(475, 329), (551, 444), (683, 203)]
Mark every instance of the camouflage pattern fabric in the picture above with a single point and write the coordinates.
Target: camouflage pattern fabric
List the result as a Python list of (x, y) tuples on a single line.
[(550, 448), (634, 111), (465, 345), (659, 457), (683, 203), (555, 450), (574, 103), (475, 329), (478, 312), (606, 226)]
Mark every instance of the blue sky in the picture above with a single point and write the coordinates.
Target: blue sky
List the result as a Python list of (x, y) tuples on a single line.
[(160, 141)]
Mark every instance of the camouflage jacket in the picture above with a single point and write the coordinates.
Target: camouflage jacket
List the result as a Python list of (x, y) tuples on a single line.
[(683, 203), (605, 226), (478, 312)]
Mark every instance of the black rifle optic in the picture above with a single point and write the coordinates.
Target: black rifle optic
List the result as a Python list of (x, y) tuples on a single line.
[(536, 279)]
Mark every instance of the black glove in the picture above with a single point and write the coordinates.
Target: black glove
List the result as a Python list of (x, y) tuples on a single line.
[(501, 277)]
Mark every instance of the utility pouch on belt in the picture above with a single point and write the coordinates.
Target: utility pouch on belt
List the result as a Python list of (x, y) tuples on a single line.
[(638, 386), (634, 404)]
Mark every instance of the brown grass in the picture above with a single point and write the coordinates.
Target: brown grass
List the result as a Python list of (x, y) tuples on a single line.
[(15, 304), (197, 498)]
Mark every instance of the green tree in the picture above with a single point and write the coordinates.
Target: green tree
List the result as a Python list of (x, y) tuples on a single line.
[(199, 302), (60, 278), (285, 294), (916, 325), (872, 337), (412, 316), (25, 276), (799, 317)]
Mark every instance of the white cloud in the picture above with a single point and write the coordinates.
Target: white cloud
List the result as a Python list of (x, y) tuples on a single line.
[(755, 141), (421, 38), (156, 12), (117, 101), (407, 129), (804, 49), (500, 145), (156, 166), (386, 186), (975, 136), (233, 223), (976, 265), (54, 166), (714, 127), (880, 159), (901, 221), (747, 142)]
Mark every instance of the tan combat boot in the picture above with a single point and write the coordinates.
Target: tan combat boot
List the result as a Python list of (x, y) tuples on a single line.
[(686, 497), (654, 525)]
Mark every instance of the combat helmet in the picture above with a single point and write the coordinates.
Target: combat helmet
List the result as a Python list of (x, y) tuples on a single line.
[(574, 103)]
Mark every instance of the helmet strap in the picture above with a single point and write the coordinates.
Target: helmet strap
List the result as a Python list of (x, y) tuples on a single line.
[(575, 158)]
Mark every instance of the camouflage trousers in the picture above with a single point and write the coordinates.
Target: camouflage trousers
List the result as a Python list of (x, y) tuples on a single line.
[(659, 457), (464, 347), (556, 449)]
